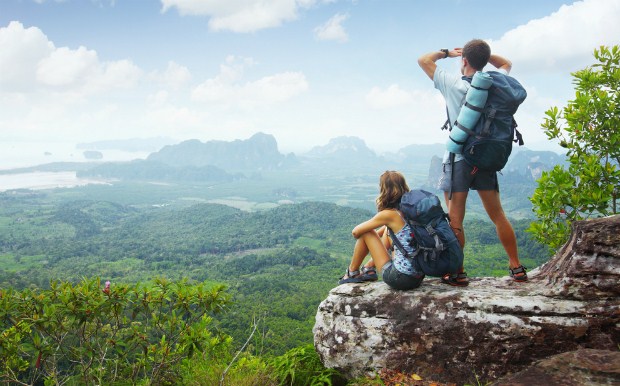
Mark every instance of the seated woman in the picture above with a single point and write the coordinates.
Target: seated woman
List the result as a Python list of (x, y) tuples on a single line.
[(372, 237)]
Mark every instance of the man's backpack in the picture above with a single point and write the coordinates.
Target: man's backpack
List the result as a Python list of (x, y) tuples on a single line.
[(436, 250), (489, 142)]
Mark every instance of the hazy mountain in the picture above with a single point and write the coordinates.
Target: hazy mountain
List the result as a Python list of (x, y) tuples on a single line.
[(92, 154), (194, 160), (260, 152), (342, 148), (517, 180), (343, 153), (130, 145), (416, 153), (141, 170), (531, 163)]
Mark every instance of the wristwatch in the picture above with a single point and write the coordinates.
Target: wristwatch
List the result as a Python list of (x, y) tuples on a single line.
[(445, 52)]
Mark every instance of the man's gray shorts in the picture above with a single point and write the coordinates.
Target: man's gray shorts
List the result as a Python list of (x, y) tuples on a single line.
[(467, 177)]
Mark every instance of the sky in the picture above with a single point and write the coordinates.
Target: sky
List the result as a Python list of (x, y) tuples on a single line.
[(304, 71)]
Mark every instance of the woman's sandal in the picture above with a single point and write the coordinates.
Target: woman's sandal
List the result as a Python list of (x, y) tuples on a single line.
[(351, 277), (518, 274), (369, 274), (455, 279)]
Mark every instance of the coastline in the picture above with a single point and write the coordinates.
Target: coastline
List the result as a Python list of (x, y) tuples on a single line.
[(16, 155), (45, 180)]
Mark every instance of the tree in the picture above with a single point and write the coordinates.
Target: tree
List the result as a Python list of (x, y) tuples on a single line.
[(114, 334), (588, 127)]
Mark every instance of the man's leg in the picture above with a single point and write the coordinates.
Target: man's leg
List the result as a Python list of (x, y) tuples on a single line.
[(505, 232), (456, 212), (458, 182)]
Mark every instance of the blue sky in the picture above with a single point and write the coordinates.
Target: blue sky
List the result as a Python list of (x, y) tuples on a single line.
[(304, 71)]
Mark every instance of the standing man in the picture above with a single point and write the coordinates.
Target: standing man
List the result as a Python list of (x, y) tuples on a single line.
[(474, 56)]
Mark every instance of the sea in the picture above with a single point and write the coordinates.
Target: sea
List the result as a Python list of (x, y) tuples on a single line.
[(17, 155)]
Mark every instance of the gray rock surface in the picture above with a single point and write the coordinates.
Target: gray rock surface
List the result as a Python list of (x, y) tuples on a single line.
[(576, 368), (491, 328)]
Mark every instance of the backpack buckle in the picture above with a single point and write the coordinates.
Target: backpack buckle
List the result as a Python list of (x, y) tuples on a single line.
[(447, 125)]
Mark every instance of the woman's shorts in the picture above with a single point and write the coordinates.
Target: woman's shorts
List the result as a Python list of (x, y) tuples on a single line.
[(398, 280), (466, 177)]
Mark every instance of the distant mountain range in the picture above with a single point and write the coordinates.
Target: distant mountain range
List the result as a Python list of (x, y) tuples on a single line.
[(223, 161), (342, 149), (532, 163), (258, 153)]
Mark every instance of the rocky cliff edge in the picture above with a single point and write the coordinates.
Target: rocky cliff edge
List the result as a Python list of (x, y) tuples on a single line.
[(490, 329)]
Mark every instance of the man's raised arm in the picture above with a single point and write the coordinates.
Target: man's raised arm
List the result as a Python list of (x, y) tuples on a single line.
[(427, 61), (500, 63)]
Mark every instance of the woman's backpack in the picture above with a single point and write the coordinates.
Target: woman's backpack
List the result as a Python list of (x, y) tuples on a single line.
[(436, 250)]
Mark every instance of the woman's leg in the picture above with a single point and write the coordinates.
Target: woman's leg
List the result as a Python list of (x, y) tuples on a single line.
[(385, 239), (369, 242)]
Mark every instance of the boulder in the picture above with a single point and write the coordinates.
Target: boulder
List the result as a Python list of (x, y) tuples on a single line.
[(582, 367), (482, 332)]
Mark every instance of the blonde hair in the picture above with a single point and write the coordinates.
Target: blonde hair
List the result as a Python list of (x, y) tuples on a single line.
[(392, 186)]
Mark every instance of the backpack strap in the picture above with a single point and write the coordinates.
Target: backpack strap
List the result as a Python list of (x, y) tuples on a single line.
[(431, 253), (486, 130), (447, 125), (402, 250), (397, 242), (475, 108), (452, 156), (431, 231), (465, 129), (518, 135)]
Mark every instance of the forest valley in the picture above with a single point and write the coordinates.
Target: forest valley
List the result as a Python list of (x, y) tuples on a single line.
[(139, 275)]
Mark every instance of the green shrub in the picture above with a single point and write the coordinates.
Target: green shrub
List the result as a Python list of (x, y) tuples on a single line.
[(302, 366), (117, 334), (246, 371)]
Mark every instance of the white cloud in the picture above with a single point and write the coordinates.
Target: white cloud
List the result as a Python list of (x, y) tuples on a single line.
[(414, 115), (228, 89), (169, 117), (276, 88), (333, 29), (50, 92), (117, 74), (30, 62), (563, 40), (393, 96), (240, 15), (20, 52), (65, 67), (158, 99), (174, 76), (545, 51)]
